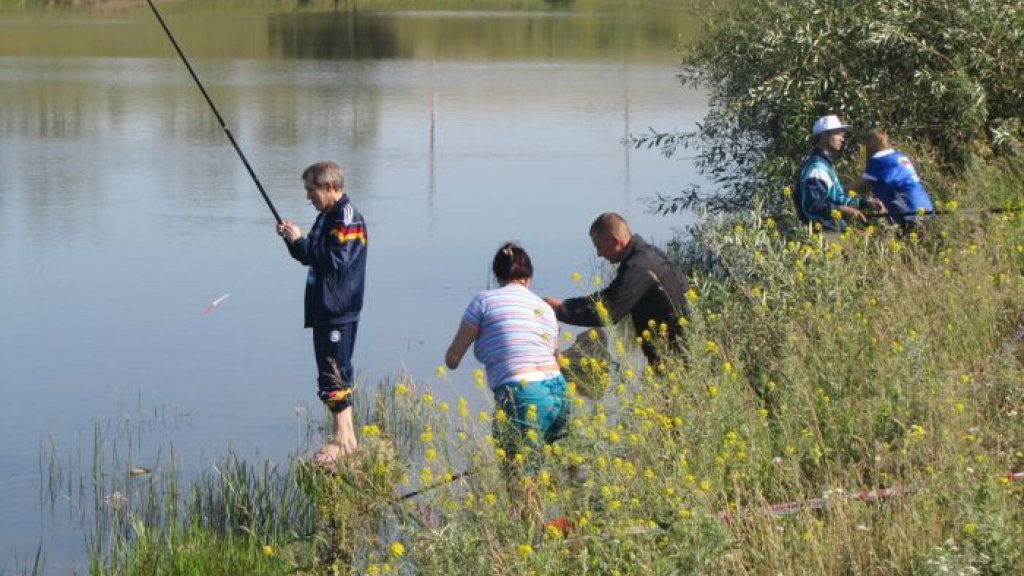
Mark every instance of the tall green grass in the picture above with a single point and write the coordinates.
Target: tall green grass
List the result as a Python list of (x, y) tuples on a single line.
[(819, 367)]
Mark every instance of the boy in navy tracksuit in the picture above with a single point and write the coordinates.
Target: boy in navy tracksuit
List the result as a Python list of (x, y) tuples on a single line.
[(335, 253)]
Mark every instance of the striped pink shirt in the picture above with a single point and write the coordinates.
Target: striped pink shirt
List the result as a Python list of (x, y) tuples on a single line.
[(517, 332)]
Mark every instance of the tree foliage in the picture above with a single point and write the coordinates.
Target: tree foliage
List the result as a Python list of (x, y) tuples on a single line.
[(946, 76)]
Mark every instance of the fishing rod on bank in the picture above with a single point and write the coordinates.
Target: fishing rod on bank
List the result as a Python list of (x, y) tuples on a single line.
[(922, 213), (216, 113), (992, 210)]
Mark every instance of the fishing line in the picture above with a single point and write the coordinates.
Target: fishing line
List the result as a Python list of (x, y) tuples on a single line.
[(241, 279), (216, 302)]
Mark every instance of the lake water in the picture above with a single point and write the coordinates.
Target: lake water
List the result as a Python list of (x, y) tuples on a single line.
[(124, 211)]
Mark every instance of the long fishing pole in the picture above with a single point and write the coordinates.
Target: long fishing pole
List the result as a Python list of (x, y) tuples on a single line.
[(993, 210), (216, 113), (416, 493), (873, 216)]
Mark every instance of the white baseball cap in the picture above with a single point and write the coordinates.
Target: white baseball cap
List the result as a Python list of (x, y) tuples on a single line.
[(828, 123)]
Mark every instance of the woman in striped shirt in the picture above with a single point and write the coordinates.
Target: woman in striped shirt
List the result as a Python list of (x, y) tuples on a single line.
[(515, 335)]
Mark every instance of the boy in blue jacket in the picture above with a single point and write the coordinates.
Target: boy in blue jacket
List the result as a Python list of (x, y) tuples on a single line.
[(335, 253), (893, 179)]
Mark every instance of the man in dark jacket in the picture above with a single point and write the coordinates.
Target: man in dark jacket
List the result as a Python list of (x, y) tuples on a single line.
[(335, 253), (647, 286)]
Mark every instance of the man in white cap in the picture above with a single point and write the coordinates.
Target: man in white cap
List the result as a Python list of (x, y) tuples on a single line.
[(820, 196)]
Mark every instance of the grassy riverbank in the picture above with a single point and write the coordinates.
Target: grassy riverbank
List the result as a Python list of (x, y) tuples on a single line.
[(324, 5), (820, 367)]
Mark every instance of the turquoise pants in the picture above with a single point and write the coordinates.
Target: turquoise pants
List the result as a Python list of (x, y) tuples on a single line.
[(539, 406)]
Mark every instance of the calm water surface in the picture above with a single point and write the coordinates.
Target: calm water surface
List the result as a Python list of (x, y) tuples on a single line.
[(124, 211)]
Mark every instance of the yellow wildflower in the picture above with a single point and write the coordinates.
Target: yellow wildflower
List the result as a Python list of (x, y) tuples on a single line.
[(440, 370), (531, 413), (396, 549), (576, 277), (525, 550), (268, 551)]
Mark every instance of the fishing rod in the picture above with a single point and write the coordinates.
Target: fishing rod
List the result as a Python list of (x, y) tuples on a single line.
[(994, 210), (216, 113), (444, 482)]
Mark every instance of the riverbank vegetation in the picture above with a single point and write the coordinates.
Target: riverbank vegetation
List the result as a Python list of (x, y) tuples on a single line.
[(850, 404), (341, 5), (946, 79)]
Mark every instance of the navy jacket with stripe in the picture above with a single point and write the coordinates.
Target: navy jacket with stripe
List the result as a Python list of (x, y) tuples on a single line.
[(335, 252)]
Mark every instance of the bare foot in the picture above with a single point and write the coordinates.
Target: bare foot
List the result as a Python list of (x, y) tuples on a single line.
[(328, 454), (343, 432)]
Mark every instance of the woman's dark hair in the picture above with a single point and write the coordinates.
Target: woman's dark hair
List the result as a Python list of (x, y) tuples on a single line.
[(511, 262)]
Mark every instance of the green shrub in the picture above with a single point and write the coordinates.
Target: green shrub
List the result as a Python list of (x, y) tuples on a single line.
[(945, 78)]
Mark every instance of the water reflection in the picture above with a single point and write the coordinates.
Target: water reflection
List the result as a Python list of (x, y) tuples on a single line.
[(475, 35), (623, 35), (338, 36)]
